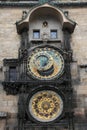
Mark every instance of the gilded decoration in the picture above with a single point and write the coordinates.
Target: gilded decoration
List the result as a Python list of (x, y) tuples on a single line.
[(45, 63), (46, 106)]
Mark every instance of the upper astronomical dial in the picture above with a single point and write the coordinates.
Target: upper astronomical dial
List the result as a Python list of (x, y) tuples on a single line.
[(45, 63)]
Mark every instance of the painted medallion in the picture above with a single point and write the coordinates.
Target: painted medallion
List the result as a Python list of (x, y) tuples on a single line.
[(45, 106)]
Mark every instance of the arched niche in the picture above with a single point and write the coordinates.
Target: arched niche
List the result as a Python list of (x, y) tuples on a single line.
[(46, 20), (45, 11)]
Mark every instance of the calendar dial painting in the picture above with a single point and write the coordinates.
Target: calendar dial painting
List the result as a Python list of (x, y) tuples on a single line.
[(45, 63), (45, 106)]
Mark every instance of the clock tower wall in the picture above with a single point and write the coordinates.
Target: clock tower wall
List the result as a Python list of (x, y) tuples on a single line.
[(9, 49)]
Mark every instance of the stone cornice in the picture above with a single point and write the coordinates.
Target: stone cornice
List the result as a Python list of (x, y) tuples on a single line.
[(71, 4), (30, 4)]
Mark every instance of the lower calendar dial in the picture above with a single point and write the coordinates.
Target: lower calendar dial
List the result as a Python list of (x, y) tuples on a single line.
[(45, 106)]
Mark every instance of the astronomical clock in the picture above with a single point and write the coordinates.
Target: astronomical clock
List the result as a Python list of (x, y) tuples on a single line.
[(45, 104), (43, 79), (45, 63)]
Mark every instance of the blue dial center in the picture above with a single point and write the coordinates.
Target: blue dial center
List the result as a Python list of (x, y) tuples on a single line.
[(42, 60)]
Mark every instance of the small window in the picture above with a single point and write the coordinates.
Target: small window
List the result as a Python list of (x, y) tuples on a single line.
[(12, 74), (36, 34), (53, 34)]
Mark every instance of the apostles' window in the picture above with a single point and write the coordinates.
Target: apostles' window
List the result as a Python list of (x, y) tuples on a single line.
[(36, 34), (53, 34)]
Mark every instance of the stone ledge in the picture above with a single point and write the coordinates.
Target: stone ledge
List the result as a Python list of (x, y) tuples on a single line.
[(30, 4)]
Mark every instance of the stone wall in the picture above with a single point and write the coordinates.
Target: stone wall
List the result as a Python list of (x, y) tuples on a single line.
[(10, 42), (79, 47)]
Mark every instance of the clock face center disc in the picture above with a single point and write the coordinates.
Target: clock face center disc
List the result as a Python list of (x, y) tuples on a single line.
[(43, 61), (45, 105)]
